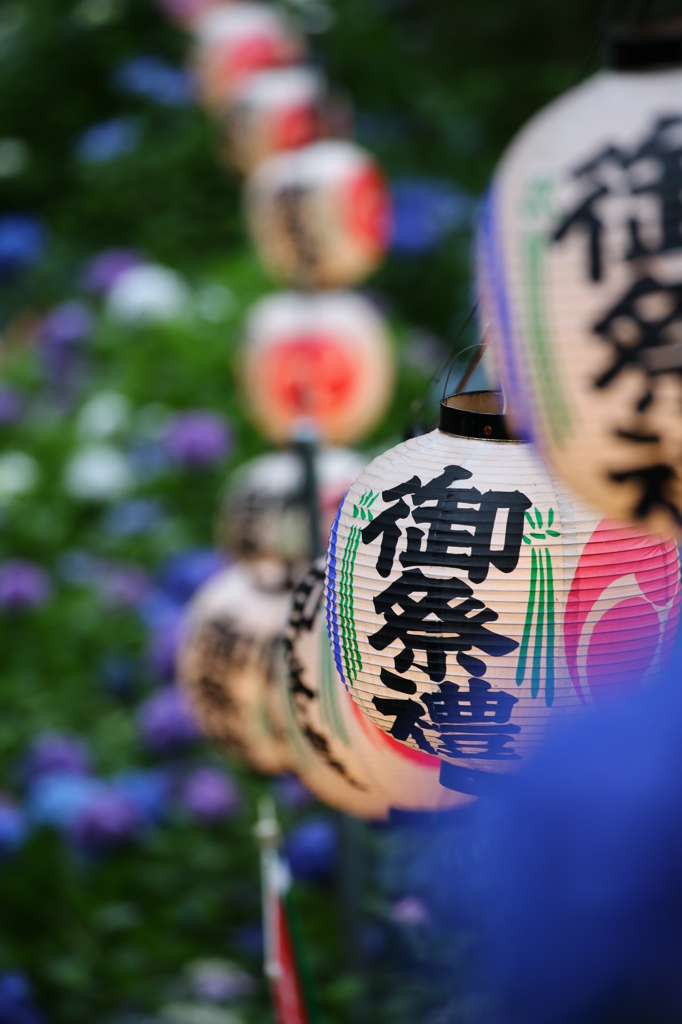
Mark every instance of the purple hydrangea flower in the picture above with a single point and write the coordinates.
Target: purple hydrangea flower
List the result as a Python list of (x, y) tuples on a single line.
[(122, 585), (59, 799), (12, 827), (425, 212), (67, 324), (23, 585), (165, 723), (183, 574), (218, 981), (107, 820), (16, 1000), (56, 752), (153, 79), (410, 910), (108, 140), (104, 270), (198, 438), (291, 792), (22, 243), (311, 850), (162, 647), (11, 404), (62, 335), (148, 790), (210, 794)]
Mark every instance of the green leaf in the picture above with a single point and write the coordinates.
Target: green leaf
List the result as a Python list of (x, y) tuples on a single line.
[(538, 536), (525, 539), (553, 533), (538, 516), (530, 519), (550, 517)]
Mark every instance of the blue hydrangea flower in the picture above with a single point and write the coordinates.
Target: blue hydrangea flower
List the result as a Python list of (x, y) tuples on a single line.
[(425, 212), (183, 574), (13, 826), (16, 1000), (165, 723), (311, 850), (132, 518), (107, 141), (153, 79), (59, 799), (22, 242), (148, 790)]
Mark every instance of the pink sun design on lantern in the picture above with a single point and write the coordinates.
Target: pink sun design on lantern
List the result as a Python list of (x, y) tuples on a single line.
[(613, 641)]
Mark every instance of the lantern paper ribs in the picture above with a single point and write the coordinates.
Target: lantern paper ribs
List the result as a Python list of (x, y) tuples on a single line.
[(230, 663), (475, 599), (580, 273), (341, 756)]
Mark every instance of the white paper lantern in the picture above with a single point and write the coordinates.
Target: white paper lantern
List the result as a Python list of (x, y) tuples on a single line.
[(264, 516), (230, 658), (325, 357), (340, 755), (234, 42), (471, 599), (319, 216), (581, 279), (187, 12), (273, 112)]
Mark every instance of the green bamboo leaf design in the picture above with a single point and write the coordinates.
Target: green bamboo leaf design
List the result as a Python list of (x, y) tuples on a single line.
[(525, 640), (553, 533), (525, 539), (539, 632), (530, 519), (538, 516), (550, 517), (549, 678)]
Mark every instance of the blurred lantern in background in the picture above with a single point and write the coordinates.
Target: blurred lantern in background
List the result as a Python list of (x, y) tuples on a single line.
[(186, 12), (342, 757), (275, 111), (581, 274), (233, 42), (319, 216), (230, 658), (471, 599), (264, 518), (327, 358)]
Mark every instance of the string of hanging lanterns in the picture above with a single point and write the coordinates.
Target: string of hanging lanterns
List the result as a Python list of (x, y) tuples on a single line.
[(319, 214)]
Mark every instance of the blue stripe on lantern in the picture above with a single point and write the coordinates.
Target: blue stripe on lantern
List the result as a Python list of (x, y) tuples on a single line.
[(332, 621)]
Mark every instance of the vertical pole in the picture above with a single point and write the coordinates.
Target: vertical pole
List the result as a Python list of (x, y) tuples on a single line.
[(305, 442)]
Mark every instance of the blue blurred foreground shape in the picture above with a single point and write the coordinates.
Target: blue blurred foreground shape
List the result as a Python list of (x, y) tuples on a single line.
[(583, 873)]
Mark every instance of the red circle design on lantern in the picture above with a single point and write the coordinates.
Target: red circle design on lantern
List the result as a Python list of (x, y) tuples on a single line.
[(311, 376), (368, 207)]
